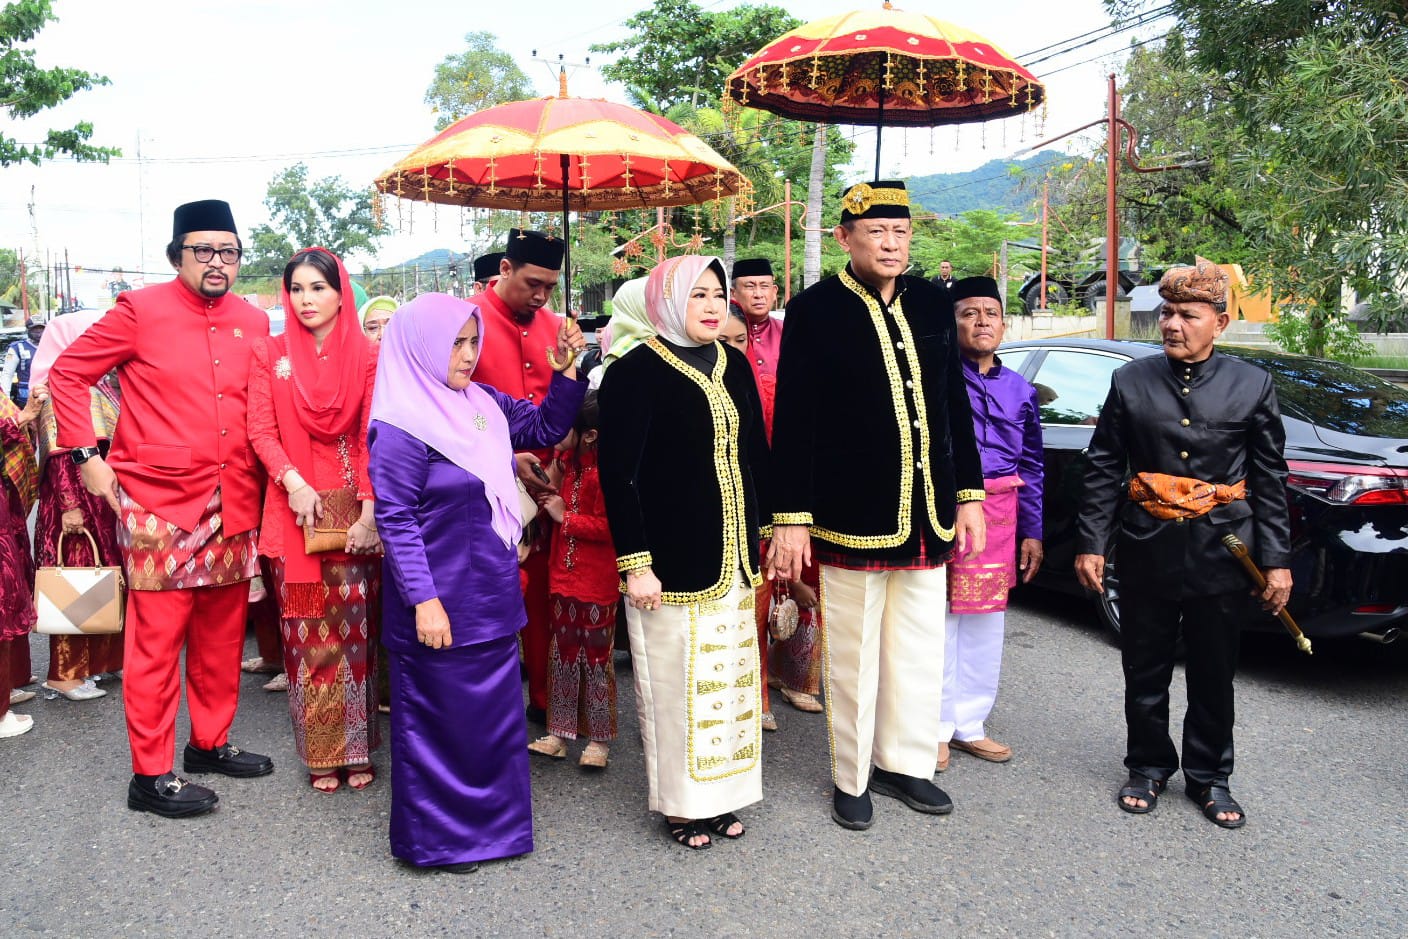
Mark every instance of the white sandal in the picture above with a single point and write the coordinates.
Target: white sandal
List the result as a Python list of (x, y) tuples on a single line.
[(86, 691), (12, 724)]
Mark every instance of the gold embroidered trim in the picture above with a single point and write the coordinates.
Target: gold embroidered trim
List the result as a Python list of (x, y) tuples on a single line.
[(744, 759), (709, 687), (971, 495), (633, 562), (792, 518), (728, 470), (904, 418), (765, 532), (826, 667)]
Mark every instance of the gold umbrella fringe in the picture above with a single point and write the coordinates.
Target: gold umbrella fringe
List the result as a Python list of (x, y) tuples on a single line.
[(911, 84)]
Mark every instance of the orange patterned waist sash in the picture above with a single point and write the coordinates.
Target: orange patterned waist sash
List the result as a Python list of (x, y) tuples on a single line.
[(1165, 497)]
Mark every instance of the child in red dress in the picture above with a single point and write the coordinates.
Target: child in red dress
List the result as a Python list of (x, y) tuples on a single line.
[(584, 588)]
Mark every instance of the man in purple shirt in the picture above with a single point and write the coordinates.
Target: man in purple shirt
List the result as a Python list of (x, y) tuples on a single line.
[(1007, 426)]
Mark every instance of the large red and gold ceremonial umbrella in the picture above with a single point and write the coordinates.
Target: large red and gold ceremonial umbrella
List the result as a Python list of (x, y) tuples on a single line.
[(563, 153), (886, 66)]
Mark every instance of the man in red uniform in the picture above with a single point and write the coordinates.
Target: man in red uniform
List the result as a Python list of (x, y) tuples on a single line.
[(518, 331), (186, 488), (754, 294)]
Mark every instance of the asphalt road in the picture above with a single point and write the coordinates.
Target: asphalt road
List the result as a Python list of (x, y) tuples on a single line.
[(1035, 847)]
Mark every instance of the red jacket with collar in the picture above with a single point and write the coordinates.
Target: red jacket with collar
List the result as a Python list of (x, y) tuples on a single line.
[(183, 363), (514, 358)]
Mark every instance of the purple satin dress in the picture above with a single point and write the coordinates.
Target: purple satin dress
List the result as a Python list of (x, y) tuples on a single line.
[(459, 776)]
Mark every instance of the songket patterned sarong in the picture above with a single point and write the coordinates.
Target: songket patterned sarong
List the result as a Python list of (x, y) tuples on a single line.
[(331, 666), (160, 556), (980, 584), (796, 662), (582, 680), (697, 696)]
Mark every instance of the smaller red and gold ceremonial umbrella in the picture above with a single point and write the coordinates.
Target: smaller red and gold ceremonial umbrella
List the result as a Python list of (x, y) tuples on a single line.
[(563, 152), (883, 67)]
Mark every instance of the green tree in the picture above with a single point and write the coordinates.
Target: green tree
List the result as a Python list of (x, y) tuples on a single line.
[(1322, 151), (479, 77), (325, 212), (678, 52), (1181, 115), (26, 89)]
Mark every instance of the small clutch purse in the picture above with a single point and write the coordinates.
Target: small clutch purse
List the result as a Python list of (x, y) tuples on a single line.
[(341, 509), (782, 619)]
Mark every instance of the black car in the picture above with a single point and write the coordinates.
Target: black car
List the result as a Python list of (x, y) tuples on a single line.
[(1346, 446)]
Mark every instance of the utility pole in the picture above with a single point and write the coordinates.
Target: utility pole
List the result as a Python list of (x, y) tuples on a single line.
[(141, 211)]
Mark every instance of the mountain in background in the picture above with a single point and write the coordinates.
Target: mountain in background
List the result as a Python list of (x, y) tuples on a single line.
[(992, 186), (438, 259)]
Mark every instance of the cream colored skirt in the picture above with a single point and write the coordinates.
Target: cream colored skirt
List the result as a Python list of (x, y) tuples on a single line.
[(699, 704)]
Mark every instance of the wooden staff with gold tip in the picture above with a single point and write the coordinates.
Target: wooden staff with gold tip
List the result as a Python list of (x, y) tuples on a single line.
[(1238, 549)]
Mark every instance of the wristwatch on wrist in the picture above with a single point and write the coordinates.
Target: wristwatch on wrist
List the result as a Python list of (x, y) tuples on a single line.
[(81, 455)]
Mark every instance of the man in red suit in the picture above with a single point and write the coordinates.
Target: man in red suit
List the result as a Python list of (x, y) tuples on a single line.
[(186, 488), (518, 330)]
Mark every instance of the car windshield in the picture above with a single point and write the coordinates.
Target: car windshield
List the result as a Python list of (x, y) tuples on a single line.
[(1339, 397)]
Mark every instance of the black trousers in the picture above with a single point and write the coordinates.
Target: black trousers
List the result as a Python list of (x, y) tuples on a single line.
[(1149, 629)]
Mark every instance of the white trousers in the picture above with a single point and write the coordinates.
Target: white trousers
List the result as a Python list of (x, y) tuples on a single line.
[(883, 646), (972, 664)]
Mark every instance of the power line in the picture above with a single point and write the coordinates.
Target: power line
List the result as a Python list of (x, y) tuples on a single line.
[(1103, 33)]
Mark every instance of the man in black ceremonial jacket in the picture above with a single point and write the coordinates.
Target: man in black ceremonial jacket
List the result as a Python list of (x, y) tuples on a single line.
[(1198, 436), (875, 466)]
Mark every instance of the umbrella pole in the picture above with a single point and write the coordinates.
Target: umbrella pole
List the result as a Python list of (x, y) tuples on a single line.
[(879, 126), (566, 245)]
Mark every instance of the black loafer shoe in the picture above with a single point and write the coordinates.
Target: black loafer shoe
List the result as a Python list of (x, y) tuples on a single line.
[(919, 794), (228, 761), (171, 796), (853, 812)]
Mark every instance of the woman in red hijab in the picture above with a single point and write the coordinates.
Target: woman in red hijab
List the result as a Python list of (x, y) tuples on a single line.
[(309, 399)]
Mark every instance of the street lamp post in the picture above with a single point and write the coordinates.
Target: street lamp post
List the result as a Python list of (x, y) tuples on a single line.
[(1115, 126)]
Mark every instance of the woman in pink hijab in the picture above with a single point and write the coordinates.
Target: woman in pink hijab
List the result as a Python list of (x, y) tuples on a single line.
[(683, 460)]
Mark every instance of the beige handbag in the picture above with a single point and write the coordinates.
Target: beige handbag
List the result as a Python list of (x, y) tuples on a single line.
[(783, 617), (78, 601)]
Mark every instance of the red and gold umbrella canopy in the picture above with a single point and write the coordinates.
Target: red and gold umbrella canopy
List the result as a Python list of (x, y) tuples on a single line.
[(885, 67), (527, 154)]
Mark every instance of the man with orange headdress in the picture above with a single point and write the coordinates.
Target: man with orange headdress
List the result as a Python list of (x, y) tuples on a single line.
[(1199, 436)]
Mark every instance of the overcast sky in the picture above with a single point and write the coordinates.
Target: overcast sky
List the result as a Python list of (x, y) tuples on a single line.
[(219, 97)]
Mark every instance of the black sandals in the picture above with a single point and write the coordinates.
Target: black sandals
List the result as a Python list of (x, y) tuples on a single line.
[(1140, 787)]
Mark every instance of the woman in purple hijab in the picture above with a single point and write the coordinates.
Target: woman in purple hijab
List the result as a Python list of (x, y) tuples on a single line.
[(441, 462)]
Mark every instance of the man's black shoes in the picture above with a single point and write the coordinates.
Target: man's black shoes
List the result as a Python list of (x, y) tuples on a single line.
[(169, 795), (853, 812), (228, 761), (919, 794)]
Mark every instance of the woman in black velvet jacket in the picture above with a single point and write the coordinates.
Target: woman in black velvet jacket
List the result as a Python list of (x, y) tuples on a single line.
[(683, 459)]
